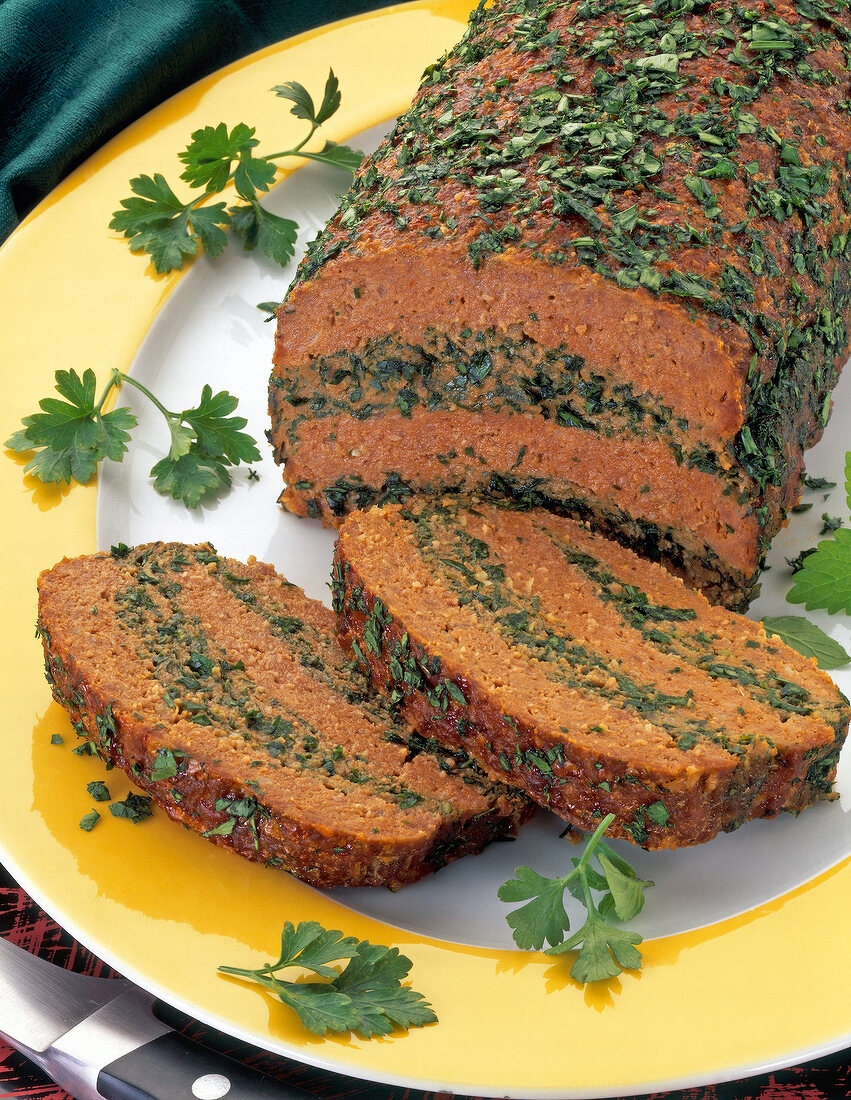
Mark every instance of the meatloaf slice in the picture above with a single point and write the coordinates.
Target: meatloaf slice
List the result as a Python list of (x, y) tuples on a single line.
[(594, 680), (221, 689), (601, 265)]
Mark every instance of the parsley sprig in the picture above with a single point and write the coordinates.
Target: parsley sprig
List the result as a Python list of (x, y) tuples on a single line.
[(158, 223), (604, 948), (367, 996), (71, 436)]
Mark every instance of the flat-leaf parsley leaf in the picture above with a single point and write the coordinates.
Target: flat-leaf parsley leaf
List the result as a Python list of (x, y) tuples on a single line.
[(604, 948), (157, 222), (807, 638), (824, 579), (367, 996), (70, 437), (135, 807)]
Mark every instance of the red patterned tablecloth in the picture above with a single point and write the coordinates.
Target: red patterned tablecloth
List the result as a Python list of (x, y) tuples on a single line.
[(26, 925)]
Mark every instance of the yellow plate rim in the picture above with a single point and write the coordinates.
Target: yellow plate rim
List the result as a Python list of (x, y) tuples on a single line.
[(510, 1022)]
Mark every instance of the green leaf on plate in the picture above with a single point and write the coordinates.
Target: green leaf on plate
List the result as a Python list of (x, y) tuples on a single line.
[(824, 579), (367, 996), (604, 949), (808, 639)]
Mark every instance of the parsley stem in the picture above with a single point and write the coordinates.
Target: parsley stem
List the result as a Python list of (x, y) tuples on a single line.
[(114, 380), (119, 377), (208, 194), (592, 842), (587, 900), (296, 149)]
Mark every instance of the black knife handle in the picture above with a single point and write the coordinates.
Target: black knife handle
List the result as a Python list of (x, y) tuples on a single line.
[(173, 1067)]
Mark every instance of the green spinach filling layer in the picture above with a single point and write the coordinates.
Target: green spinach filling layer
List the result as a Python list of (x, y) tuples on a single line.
[(205, 687), (508, 490), (469, 568), (666, 629), (499, 374)]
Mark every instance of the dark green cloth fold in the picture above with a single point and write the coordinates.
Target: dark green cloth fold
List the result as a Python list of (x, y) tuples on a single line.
[(75, 72)]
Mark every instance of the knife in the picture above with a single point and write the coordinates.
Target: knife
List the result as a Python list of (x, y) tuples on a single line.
[(99, 1039)]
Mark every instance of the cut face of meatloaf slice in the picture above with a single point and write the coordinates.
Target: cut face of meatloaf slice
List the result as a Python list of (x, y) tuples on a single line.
[(566, 665), (222, 690), (600, 265)]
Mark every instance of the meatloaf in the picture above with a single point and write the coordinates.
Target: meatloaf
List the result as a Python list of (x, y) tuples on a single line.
[(568, 666), (221, 689), (600, 265)]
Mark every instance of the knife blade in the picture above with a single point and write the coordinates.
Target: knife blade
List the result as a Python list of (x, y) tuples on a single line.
[(99, 1039)]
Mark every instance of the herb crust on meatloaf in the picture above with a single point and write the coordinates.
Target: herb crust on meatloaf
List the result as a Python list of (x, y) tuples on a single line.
[(601, 265)]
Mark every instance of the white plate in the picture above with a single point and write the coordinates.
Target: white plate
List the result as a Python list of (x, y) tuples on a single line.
[(212, 331)]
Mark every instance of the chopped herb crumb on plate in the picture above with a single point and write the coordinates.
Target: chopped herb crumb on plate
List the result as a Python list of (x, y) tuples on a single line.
[(731, 920)]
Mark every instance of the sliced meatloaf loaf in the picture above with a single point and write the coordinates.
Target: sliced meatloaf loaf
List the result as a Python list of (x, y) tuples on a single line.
[(223, 691), (601, 265), (594, 680)]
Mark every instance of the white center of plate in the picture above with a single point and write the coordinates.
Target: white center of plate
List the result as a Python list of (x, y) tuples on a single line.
[(211, 331)]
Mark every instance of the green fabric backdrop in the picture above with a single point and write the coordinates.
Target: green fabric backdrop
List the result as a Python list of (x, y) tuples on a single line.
[(75, 72)]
